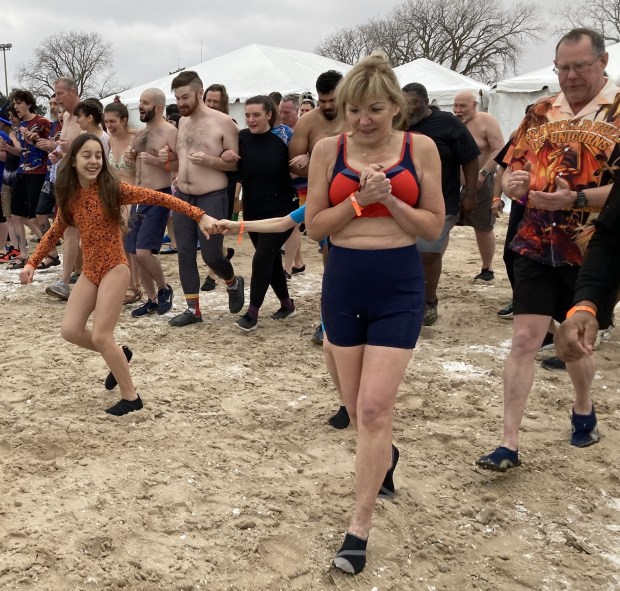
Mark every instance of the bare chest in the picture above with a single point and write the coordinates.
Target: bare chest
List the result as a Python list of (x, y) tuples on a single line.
[(151, 141), (322, 130), (200, 137), (479, 133)]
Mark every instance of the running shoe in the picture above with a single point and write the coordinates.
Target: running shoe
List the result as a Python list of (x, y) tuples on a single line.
[(208, 285), (165, 239), (8, 256), (506, 311), (317, 337), (246, 323), (123, 407), (149, 307), (553, 364), (164, 299), (485, 277), (236, 296), (59, 290), (430, 314), (187, 317), (284, 313)]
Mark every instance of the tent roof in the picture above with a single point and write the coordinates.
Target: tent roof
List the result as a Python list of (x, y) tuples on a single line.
[(537, 80), (254, 69), (441, 82), (260, 69)]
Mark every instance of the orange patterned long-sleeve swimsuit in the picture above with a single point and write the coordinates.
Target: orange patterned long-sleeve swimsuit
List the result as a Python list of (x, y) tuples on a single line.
[(102, 240)]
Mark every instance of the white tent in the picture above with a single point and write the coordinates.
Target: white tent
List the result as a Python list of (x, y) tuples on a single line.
[(441, 83), (507, 102), (261, 69), (248, 71)]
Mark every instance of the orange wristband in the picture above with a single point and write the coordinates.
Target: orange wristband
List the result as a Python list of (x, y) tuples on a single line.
[(576, 309), (240, 235), (356, 206), (496, 199), (167, 165)]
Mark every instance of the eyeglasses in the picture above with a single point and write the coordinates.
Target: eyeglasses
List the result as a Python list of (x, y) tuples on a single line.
[(578, 68)]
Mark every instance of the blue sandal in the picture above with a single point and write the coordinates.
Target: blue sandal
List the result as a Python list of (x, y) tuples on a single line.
[(500, 460)]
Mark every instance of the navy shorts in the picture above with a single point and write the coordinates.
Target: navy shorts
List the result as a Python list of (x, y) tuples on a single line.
[(147, 224), (373, 297)]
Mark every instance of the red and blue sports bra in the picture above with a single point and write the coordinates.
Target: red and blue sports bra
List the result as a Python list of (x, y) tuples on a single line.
[(402, 175)]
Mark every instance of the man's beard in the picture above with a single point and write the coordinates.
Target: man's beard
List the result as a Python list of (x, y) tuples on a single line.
[(188, 110), (148, 116)]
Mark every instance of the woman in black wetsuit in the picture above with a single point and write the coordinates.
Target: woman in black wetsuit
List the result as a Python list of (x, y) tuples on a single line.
[(267, 192)]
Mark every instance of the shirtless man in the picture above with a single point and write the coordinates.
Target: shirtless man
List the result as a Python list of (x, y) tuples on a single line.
[(312, 127), (488, 136), (316, 124), (216, 97), (148, 222), (207, 147), (67, 95)]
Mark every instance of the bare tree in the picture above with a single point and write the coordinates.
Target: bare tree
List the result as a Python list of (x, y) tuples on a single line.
[(478, 38), (85, 57), (600, 15), (346, 45)]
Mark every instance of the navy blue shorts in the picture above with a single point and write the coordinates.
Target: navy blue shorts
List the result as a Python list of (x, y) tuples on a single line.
[(373, 297), (147, 225)]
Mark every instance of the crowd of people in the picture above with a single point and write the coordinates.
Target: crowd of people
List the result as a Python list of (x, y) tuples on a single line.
[(379, 176)]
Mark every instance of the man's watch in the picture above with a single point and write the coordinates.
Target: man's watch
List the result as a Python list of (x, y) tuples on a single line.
[(484, 173), (581, 201)]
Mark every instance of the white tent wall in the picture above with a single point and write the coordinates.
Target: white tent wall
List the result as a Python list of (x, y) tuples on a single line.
[(509, 108), (441, 83)]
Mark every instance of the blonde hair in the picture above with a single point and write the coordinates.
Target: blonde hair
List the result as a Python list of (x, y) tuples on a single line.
[(374, 77)]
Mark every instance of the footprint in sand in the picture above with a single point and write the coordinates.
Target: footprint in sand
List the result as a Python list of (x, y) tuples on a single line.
[(51, 452), (285, 554)]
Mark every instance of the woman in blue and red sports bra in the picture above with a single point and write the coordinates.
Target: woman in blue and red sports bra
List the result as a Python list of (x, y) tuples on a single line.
[(374, 191)]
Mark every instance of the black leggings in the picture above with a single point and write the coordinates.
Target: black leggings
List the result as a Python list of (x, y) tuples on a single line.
[(267, 266), (516, 215)]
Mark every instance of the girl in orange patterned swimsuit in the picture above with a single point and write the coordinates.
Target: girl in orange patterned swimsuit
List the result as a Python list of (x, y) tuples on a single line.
[(90, 197)]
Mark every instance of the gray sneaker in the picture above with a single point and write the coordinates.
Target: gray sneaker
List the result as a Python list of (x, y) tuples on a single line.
[(236, 296), (59, 290)]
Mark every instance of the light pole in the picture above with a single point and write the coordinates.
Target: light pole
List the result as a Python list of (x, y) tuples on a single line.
[(4, 47)]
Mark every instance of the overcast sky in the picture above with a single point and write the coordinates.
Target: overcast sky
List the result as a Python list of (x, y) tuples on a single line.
[(152, 39)]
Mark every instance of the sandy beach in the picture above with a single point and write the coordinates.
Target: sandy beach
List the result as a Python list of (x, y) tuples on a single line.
[(230, 478)]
